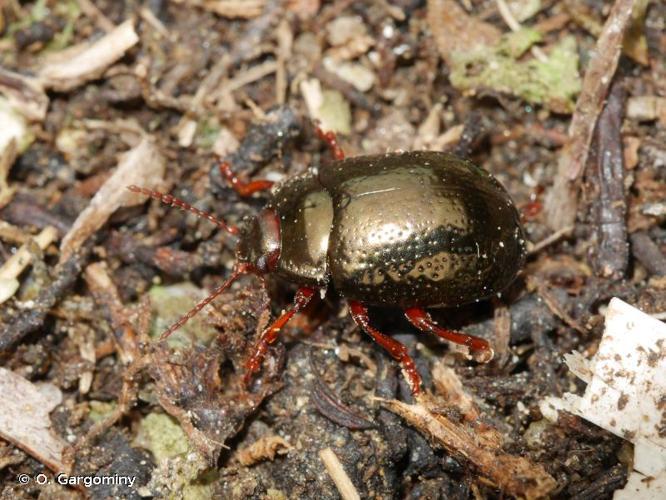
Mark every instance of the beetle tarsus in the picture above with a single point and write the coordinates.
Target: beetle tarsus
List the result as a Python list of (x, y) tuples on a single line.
[(241, 187), (270, 334), (398, 351), (479, 348), (331, 140)]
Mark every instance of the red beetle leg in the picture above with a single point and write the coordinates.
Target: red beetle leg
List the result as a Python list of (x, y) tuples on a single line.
[(241, 187), (332, 141), (480, 348), (399, 352), (270, 334)]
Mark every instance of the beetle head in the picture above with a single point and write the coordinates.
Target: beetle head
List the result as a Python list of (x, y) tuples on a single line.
[(259, 243)]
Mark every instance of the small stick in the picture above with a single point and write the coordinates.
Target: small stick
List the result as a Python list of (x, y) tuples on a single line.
[(549, 240), (337, 472)]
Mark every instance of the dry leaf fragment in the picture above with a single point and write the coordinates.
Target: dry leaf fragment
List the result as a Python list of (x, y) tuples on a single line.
[(24, 418), (77, 65), (143, 165), (264, 448)]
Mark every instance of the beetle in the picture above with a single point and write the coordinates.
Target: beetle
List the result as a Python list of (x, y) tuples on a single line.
[(412, 230)]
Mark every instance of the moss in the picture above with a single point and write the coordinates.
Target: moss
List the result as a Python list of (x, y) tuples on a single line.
[(181, 472), (162, 436), (208, 130), (99, 410), (553, 83)]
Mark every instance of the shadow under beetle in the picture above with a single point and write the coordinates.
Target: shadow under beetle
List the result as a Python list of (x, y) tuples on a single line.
[(410, 230)]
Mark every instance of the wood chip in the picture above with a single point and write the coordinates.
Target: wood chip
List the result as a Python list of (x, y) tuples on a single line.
[(14, 266), (24, 418), (143, 166), (82, 63), (337, 472), (25, 95), (515, 475)]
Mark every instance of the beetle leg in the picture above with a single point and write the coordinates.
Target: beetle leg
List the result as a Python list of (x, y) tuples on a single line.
[(399, 352), (270, 334), (241, 187), (332, 141), (479, 348)]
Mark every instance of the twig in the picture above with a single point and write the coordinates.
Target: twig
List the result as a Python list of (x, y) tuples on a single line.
[(346, 89), (549, 240), (516, 475), (92, 11), (106, 295), (606, 179), (285, 39), (562, 201), (337, 472), (648, 253), (28, 320)]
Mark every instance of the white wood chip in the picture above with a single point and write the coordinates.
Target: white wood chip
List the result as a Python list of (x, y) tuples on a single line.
[(626, 388), (24, 418), (89, 62), (144, 166)]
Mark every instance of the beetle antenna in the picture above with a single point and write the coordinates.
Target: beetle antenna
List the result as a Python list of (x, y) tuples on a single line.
[(172, 201), (238, 272)]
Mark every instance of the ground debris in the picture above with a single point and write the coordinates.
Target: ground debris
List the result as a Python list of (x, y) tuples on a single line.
[(605, 180), (190, 389), (24, 418), (16, 326), (515, 475), (222, 80), (264, 448)]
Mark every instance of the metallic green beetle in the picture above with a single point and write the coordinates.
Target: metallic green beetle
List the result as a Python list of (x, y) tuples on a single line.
[(411, 230)]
